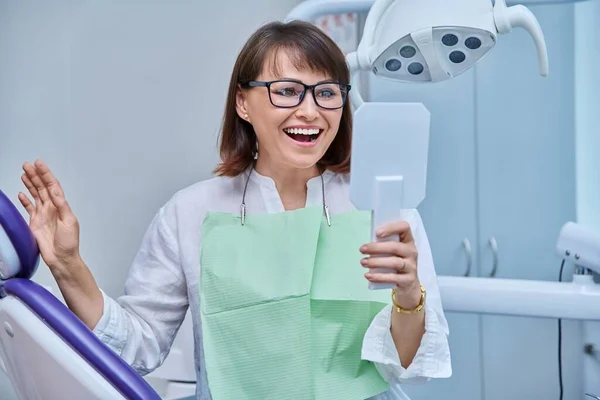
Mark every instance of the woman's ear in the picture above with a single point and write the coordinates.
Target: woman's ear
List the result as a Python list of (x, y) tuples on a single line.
[(241, 104)]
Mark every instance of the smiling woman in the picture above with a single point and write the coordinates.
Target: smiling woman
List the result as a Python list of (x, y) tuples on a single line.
[(271, 256), (285, 79)]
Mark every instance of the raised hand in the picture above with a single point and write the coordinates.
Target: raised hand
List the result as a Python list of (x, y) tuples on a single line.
[(56, 231), (53, 224)]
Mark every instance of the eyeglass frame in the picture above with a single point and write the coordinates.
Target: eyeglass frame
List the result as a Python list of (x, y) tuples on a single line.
[(268, 84)]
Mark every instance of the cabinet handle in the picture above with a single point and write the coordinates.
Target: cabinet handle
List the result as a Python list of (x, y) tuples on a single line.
[(467, 246), (494, 246)]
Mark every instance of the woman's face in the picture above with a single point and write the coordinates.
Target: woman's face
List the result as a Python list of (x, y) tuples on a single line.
[(297, 137)]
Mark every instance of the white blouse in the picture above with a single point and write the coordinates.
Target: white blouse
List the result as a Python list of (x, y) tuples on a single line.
[(163, 282)]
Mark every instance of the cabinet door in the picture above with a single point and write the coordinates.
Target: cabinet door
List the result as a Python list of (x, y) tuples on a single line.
[(448, 213), (526, 180)]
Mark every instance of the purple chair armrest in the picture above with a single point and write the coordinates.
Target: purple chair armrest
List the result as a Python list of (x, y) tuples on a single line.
[(23, 241), (79, 337)]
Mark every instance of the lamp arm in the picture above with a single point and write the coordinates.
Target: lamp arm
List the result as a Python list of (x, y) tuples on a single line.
[(3, 367), (366, 42), (353, 65), (309, 10)]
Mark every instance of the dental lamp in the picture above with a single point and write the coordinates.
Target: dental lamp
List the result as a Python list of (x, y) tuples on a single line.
[(426, 40), (411, 41)]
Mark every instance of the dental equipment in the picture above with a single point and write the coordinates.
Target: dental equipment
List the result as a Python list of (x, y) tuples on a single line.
[(408, 41), (46, 351), (439, 40), (581, 245), (429, 40), (577, 300)]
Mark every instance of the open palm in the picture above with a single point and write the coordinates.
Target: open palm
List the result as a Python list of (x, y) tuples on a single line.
[(51, 220)]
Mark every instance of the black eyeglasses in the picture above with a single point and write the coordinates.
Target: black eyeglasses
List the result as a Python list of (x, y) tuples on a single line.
[(287, 93)]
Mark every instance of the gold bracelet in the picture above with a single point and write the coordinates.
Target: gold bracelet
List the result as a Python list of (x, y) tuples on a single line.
[(413, 311)]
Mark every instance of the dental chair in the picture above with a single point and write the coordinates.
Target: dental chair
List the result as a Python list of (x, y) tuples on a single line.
[(46, 351)]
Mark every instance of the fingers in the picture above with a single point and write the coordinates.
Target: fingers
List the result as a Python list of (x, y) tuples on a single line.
[(43, 185), (36, 181), (32, 190), (405, 265), (26, 203), (55, 190), (46, 175), (396, 248), (58, 199), (400, 280), (401, 228)]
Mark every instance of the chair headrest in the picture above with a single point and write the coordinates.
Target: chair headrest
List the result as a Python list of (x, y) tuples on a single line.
[(19, 252)]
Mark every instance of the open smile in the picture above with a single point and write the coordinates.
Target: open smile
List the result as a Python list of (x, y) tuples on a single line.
[(304, 136)]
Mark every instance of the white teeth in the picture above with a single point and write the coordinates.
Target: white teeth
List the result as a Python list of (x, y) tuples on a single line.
[(298, 131)]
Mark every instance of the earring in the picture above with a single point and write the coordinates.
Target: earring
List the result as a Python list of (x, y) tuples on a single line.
[(245, 116)]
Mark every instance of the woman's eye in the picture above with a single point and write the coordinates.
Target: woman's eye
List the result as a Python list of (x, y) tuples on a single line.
[(287, 92), (326, 93)]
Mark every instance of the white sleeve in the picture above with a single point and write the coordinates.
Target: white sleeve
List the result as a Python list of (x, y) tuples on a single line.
[(433, 355), (140, 326)]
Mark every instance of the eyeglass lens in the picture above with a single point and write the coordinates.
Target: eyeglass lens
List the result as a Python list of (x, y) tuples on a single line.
[(289, 94)]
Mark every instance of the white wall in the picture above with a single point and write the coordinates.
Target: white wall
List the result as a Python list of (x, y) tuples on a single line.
[(587, 92), (123, 99)]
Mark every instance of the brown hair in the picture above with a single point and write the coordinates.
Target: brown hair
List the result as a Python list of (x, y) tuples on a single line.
[(310, 49)]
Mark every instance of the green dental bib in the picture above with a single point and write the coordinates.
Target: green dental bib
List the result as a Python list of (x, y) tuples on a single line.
[(285, 306)]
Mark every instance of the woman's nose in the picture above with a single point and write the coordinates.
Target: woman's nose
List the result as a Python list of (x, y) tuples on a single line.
[(308, 109)]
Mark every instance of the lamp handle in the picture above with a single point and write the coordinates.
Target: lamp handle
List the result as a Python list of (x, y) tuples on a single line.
[(519, 16)]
